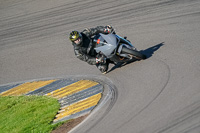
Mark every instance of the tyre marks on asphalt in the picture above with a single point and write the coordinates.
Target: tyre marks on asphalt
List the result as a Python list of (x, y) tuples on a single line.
[(76, 97)]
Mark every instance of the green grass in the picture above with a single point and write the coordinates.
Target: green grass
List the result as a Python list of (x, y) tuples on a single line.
[(27, 114)]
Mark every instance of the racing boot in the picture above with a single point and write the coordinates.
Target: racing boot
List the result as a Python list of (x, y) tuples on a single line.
[(103, 68)]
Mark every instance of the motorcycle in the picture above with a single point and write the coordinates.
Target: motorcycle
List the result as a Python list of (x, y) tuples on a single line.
[(116, 48)]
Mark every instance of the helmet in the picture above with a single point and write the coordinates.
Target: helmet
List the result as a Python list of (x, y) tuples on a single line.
[(74, 35)]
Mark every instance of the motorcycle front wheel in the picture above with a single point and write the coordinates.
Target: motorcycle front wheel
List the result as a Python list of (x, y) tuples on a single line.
[(135, 53)]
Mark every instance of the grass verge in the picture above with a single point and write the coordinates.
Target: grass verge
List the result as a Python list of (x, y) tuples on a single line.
[(28, 114)]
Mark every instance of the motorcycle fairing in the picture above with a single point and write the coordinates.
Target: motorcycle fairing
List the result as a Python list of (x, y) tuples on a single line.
[(111, 44)]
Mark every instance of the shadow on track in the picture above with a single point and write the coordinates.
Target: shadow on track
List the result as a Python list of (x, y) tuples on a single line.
[(148, 52)]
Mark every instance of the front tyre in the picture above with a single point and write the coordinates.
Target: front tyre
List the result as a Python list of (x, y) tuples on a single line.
[(135, 53)]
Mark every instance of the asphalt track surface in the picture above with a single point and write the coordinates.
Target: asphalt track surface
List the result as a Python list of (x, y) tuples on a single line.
[(158, 95)]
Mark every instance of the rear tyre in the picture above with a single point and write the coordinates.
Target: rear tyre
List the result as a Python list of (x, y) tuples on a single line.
[(135, 53)]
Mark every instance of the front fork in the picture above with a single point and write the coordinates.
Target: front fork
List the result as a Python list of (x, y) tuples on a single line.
[(123, 55)]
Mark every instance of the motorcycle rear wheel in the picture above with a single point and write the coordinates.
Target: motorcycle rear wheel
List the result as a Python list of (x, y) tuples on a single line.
[(135, 53)]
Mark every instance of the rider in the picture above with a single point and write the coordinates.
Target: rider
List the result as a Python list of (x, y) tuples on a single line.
[(84, 46)]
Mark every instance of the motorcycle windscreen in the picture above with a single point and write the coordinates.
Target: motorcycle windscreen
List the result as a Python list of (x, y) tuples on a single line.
[(110, 46)]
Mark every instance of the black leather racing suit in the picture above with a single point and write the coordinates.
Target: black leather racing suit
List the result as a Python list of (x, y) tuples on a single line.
[(85, 51)]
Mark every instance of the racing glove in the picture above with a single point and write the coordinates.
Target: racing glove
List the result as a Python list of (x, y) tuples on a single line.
[(108, 29)]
